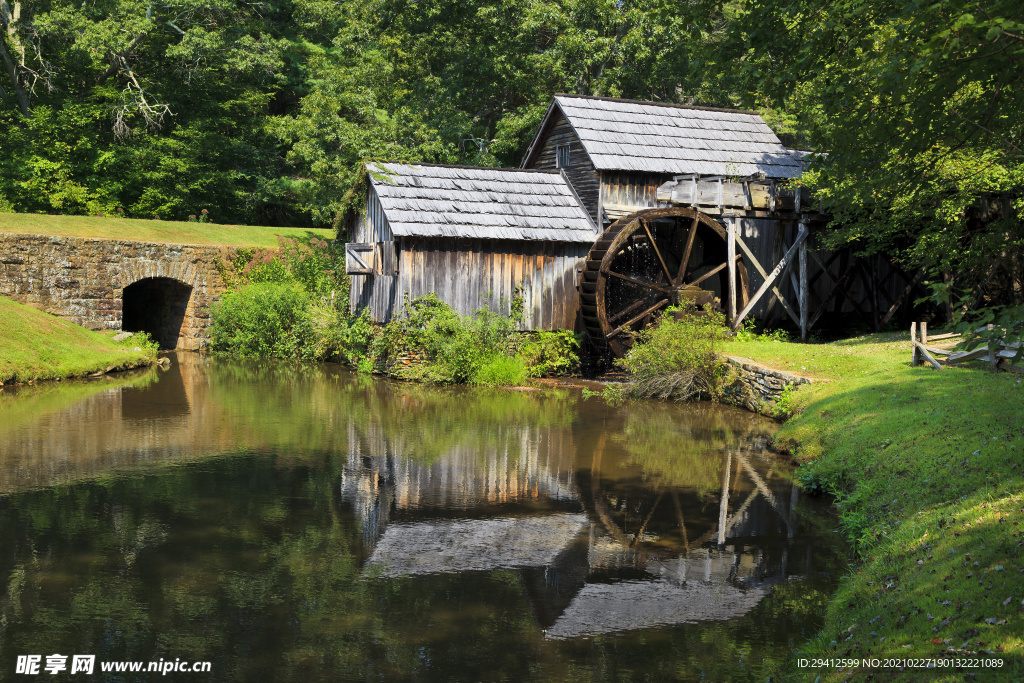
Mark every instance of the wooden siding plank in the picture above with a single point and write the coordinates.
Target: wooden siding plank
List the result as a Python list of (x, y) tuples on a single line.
[(549, 302), (536, 289), (569, 291), (517, 266), (506, 277)]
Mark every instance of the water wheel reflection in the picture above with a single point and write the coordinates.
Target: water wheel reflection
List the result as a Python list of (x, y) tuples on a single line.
[(645, 521)]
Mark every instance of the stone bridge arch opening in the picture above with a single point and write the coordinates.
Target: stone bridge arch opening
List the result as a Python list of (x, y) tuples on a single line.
[(156, 305)]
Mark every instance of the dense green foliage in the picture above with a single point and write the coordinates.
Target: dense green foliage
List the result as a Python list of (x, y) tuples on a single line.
[(289, 302), (551, 352), (677, 358), (916, 111), (265, 112), (452, 349), (265, 319)]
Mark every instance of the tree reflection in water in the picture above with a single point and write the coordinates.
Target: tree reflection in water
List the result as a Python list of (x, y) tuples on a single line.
[(295, 522)]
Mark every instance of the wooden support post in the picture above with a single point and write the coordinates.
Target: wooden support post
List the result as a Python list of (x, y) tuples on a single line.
[(723, 506), (924, 334), (915, 360), (731, 259), (927, 356), (803, 286)]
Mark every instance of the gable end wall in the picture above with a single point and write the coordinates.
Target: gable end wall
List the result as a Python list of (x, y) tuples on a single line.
[(581, 172)]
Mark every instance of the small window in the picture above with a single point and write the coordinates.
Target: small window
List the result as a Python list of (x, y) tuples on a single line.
[(562, 156)]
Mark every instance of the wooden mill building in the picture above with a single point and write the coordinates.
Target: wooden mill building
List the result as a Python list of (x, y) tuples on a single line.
[(473, 236), (619, 209)]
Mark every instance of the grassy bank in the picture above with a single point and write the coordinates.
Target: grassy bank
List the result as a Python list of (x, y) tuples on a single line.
[(174, 232), (35, 345), (926, 466)]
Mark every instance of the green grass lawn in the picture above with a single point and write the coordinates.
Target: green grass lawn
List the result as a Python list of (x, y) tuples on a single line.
[(927, 467), (175, 232), (36, 345)]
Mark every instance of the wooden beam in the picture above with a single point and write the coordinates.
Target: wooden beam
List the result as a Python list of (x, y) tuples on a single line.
[(708, 274), (902, 297), (927, 356), (803, 287), (657, 252), (632, 320), (836, 291), (687, 251), (915, 358), (731, 261), (775, 290), (777, 271), (638, 283)]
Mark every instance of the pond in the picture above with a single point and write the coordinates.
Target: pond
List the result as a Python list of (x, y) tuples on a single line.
[(297, 522)]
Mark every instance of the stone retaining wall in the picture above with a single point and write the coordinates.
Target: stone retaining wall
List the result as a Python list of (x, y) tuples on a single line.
[(758, 388), (82, 279)]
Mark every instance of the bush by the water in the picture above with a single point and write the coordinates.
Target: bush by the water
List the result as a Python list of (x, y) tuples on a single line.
[(454, 349), (289, 302), (677, 358), (292, 302), (266, 320), (500, 371), (551, 352)]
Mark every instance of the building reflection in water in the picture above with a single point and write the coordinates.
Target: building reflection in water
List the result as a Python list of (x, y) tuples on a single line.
[(598, 546)]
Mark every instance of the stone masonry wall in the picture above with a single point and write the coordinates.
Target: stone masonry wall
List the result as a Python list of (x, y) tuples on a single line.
[(82, 279), (758, 388)]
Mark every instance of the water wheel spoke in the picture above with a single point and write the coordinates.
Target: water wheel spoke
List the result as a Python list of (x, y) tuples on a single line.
[(657, 252), (711, 272), (638, 283), (636, 318), (690, 237), (627, 310), (643, 527)]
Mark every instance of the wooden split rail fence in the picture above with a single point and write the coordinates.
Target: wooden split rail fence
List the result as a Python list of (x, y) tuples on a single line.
[(924, 350)]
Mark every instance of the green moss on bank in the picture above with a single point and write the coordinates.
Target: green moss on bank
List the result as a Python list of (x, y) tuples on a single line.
[(173, 232), (35, 345), (926, 466)]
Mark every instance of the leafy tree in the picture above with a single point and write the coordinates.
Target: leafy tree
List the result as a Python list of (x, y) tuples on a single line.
[(917, 112)]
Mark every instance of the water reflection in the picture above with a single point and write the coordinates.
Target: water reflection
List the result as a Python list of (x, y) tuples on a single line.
[(290, 522)]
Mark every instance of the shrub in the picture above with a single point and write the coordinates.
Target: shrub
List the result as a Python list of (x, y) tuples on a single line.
[(268, 320), (500, 371), (289, 302), (676, 358), (553, 352), (454, 347)]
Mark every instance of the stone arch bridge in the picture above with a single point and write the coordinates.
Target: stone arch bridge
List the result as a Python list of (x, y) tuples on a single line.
[(104, 284)]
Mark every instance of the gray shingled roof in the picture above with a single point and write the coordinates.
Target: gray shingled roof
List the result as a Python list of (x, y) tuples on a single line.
[(462, 545), (621, 135), (490, 203)]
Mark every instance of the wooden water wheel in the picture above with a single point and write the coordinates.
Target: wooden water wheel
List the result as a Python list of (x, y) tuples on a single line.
[(647, 261)]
